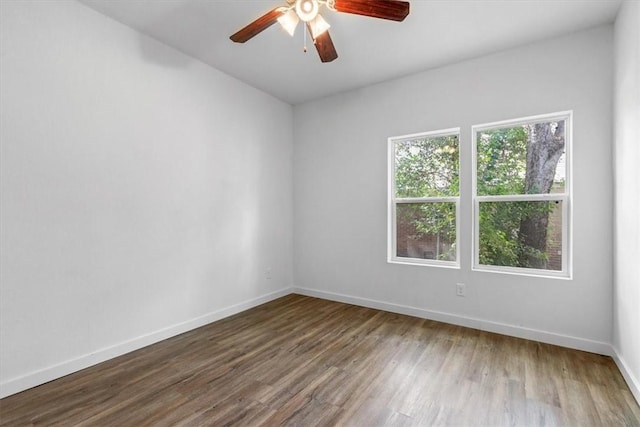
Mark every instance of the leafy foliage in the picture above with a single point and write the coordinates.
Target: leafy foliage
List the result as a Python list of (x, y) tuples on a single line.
[(501, 240), (502, 161), (427, 167), (435, 219)]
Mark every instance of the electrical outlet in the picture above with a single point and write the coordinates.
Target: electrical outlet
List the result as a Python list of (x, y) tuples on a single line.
[(461, 290)]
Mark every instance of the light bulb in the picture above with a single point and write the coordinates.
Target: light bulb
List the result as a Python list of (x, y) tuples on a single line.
[(318, 26), (307, 9), (289, 21)]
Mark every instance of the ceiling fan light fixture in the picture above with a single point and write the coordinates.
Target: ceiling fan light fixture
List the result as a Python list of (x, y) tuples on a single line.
[(307, 10), (290, 14), (289, 21), (318, 26)]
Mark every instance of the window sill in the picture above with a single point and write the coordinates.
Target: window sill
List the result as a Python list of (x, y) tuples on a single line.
[(424, 263), (527, 272)]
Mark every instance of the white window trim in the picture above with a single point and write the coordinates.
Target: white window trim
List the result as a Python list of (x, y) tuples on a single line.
[(393, 201), (566, 198)]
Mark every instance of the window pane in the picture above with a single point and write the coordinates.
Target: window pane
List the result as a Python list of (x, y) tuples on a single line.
[(426, 231), (521, 234), (524, 159), (427, 167)]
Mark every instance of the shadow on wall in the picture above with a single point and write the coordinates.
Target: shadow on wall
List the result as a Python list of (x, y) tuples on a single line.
[(154, 51), (151, 51), (192, 23)]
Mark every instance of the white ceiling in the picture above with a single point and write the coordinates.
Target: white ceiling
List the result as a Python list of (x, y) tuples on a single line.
[(435, 33)]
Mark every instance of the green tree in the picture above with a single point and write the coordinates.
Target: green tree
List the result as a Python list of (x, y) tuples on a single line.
[(515, 161), (545, 147), (427, 167)]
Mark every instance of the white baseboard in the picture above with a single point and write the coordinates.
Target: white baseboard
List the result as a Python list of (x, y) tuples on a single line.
[(632, 381), (470, 322), (42, 376)]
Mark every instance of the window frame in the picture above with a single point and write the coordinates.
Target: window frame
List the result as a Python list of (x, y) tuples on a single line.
[(565, 198), (393, 201)]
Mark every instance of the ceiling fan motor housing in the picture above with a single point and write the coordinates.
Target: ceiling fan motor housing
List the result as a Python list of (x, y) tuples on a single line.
[(307, 9)]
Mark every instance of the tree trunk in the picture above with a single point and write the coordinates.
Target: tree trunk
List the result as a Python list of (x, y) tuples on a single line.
[(544, 148)]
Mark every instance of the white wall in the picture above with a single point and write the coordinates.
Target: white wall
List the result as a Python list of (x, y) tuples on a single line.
[(340, 190), (626, 324), (143, 193)]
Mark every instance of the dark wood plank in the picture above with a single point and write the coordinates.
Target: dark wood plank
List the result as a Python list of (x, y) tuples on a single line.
[(256, 27), (324, 45), (306, 361), (384, 9)]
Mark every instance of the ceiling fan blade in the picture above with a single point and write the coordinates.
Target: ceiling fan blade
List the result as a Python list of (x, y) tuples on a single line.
[(324, 46), (257, 26), (394, 10)]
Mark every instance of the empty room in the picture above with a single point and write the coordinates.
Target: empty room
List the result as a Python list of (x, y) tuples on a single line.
[(320, 212)]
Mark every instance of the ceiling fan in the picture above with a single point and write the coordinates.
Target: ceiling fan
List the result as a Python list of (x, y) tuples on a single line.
[(308, 11)]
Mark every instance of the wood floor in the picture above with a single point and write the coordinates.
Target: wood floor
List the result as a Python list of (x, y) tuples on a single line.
[(306, 361)]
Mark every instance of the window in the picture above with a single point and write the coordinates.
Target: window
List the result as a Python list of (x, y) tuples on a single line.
[(522, 195), (424, 198)]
